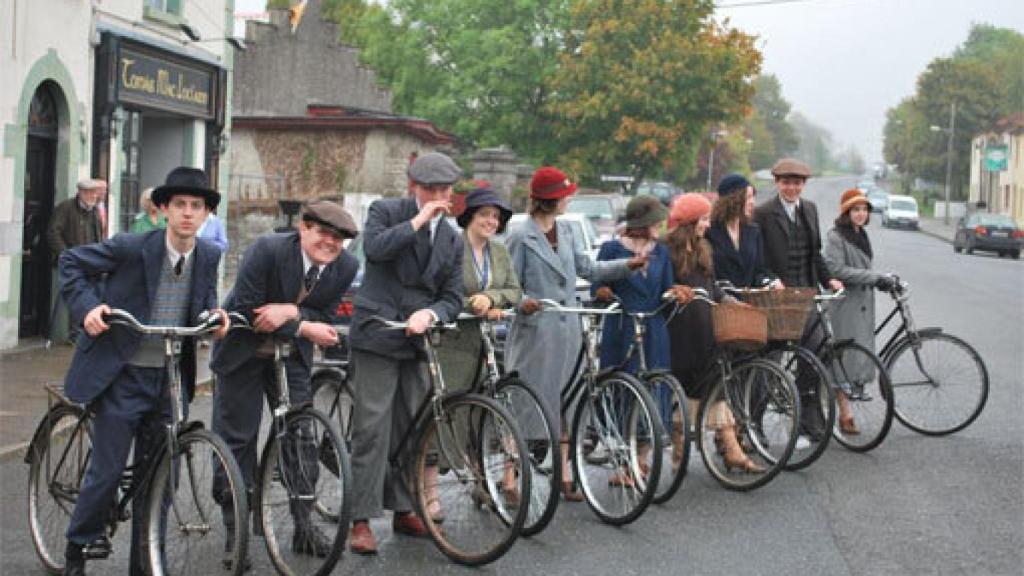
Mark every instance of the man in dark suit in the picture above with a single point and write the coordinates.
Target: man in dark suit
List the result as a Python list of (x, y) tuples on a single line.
[(289, 286), (164, 277), (792, 248), (413, 273)]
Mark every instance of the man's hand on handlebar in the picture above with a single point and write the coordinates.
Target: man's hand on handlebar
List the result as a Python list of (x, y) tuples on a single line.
[(225, 323), (318, 333), (479, 304), (419, 322), (93, 323), (270, 317), (494, 314), (835, 285)]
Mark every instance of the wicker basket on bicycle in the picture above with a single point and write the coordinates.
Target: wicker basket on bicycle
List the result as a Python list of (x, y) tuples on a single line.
[(787, 310), (739, 327)]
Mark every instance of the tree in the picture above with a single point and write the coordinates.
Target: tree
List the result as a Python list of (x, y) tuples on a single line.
[(815, 144), (772, 135), (640, 84)]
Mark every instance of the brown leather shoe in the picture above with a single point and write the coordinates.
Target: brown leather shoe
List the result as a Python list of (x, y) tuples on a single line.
[(409, 524), (361, 540)]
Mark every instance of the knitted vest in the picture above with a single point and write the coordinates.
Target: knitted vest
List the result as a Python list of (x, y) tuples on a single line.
[(798, 262), (169, 308)]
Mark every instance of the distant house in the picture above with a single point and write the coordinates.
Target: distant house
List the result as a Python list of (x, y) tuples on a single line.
[(997, 168)]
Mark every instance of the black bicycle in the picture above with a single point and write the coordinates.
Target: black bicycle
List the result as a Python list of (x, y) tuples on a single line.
[(303, 482), (184, 531), (467, 455), (939, 381)]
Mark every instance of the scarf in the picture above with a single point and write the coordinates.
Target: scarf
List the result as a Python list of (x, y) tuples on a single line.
[(858, 238)]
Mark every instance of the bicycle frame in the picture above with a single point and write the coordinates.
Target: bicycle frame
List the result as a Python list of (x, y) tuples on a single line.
[(906, 328)]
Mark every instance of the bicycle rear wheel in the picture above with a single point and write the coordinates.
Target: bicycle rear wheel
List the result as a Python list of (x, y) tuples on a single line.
[(670, 400), (939, 383), (803, 366), (332, 395), (760, 403), (534, 423), (302, 499), (860, 377), (58, 458), (185, 530), (481, 478), (616, 447)]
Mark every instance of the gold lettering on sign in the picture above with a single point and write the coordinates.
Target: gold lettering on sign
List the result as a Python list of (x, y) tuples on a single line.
[(168, 83), (138, 82)]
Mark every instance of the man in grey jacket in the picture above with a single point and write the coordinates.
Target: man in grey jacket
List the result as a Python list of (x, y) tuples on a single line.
[(414, 274)]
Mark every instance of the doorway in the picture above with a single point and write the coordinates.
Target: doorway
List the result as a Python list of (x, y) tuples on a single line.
[(40, 179)]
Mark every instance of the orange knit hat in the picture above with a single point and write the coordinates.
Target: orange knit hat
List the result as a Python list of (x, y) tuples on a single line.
[(687, 209)]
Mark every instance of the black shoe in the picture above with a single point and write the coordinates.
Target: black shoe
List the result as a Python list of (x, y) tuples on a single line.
[(74, 560), (311, 541), (229, 556)]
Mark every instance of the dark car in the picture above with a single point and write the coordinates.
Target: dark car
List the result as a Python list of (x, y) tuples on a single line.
[(989, 232), (603, 210)]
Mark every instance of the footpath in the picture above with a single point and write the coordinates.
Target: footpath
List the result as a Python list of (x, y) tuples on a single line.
[(935, 228), (24, 373)]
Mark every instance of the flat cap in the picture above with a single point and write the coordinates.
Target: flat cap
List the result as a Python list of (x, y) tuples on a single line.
[(331, 215), (91, 184), (791, 167), (434, 168)]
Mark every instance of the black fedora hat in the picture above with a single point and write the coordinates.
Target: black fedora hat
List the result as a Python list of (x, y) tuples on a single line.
[(189, 182), (479, 198)]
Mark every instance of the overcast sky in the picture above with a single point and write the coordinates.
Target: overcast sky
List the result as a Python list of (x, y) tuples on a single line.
[(842, 63)]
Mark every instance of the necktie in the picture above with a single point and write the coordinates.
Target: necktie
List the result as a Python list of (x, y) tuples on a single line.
[(311, 277), (179, 265)]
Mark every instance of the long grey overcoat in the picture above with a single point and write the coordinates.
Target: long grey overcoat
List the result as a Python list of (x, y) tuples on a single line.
[(854, 316), (543, 346)]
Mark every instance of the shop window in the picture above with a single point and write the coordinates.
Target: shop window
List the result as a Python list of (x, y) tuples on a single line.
[(168, 6), (166, 11)]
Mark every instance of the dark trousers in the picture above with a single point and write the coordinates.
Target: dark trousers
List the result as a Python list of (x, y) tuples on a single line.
[(134, 407), (237, 412)]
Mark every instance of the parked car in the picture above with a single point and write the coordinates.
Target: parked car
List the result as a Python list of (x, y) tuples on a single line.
[(663, 191), (900, 211), (603, 210), (879, 199), (989, 232)]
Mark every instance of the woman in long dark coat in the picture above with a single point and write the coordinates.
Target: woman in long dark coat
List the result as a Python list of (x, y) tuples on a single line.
[(691, 332), (736, 244), (849, 255)]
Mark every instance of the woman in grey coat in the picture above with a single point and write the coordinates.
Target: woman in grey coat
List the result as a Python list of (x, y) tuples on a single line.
[(848, 253), (547, 258)]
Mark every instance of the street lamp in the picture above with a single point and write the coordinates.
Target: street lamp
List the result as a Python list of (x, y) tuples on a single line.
[(715, 135), (951, 132)]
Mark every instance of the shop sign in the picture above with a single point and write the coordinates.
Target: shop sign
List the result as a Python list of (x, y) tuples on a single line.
[(159, 82), (996, 157)]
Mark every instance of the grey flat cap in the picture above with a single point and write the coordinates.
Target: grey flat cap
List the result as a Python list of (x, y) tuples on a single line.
[(434, 168), (91, 184), (331, 215), (791, 167)]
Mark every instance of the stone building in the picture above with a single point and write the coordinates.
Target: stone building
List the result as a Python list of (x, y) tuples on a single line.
[(997, 168), (310, 121), (121, 90)]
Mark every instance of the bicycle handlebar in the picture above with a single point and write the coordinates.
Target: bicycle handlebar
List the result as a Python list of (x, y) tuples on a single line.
[(548, 305), (403, 324), (208, 322), (505, 315)]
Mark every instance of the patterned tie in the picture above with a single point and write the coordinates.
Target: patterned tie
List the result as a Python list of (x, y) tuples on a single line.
[(179, 265), (311, 277)]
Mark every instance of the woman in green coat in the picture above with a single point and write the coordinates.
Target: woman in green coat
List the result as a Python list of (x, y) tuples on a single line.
[(490, 285)]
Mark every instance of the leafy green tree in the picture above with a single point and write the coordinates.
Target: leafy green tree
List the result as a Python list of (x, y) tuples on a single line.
[(772, 135), (640, 83), (815, 144)]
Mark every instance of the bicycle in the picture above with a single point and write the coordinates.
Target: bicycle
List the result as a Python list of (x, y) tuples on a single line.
[(670, 401), (180, 514), (477, 451), (757, 398), (939, 381), (616, 434), (303, 479)]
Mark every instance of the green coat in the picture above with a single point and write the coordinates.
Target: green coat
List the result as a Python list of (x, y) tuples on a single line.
[(460, 350), (142, 223)]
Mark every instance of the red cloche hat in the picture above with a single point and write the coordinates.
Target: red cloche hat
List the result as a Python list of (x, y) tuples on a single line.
[(550, 183)]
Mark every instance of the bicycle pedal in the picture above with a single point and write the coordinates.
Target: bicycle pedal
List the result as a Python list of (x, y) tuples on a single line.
[(97, 549)]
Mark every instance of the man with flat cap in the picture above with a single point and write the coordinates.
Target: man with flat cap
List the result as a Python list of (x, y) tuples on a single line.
[(792, 252), (163, 278), (413, 273), (289, 287)]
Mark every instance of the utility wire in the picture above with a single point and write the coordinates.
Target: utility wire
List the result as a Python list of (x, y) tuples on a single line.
[(750, 3)]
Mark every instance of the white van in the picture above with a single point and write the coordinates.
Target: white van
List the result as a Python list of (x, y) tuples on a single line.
[(900, 211)]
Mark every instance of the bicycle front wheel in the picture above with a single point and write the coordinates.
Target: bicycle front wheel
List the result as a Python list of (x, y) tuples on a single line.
[(58, 458), (472, 461), (813, 378), (757, 407), (863, 384), (939, 383), (187, 531), (332, 395), (302, 498), (670, 400), (534, 422), (617, 447)]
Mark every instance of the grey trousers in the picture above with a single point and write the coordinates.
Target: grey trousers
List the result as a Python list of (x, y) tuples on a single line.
[(387, 393)]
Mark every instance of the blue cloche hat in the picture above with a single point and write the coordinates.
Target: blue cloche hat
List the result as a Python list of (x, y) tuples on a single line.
[(479, 198), (732, 183)]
